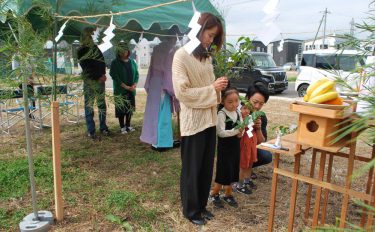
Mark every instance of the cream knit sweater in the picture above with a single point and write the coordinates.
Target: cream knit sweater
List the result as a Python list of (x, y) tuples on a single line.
[(192, 83)]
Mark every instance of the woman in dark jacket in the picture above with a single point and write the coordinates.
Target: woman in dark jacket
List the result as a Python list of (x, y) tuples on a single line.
[(124, 72)]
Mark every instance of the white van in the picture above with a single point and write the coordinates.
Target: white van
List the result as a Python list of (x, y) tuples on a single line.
[(317, 64)]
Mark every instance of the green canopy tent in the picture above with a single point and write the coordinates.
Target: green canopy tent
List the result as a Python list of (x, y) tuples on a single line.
[(151, 17)]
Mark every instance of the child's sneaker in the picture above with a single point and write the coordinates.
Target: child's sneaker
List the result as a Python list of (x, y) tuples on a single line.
[(216, 201), (231, 201), (130, 129), (123, 131), (250, 185), (244, 190)]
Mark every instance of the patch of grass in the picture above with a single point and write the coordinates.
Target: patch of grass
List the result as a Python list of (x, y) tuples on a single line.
[(14, 176), (145, 159), (120, 200), (3, 218), (70, 153), (9, 220)]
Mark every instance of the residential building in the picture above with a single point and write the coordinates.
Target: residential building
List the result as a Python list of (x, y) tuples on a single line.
[(291, 51), (258, 46), (331, 41)]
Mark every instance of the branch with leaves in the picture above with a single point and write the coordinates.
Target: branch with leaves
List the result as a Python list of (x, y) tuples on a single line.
[(227, 58), (254, 115)]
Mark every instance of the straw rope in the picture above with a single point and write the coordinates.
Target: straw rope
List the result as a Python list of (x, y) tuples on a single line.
[(120, 13), (124, 29)]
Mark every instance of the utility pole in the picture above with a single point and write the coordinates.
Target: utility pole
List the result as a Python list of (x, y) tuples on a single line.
[(325, 24), (352, 27), (317, 32)]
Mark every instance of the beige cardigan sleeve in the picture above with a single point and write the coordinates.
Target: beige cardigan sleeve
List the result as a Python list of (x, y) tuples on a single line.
[(193, 97)]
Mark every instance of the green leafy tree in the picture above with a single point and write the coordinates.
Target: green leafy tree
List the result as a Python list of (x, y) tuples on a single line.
[(363, 123)]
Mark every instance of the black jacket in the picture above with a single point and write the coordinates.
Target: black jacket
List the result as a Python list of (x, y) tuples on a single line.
[(92, 62)]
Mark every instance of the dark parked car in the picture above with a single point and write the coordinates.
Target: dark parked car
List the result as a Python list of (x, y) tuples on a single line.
[(259, 69)]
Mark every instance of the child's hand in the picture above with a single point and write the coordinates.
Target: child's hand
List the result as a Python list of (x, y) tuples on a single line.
[(240, 134)]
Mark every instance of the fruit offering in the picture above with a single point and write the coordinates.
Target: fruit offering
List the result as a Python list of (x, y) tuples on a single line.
[(323, 92)]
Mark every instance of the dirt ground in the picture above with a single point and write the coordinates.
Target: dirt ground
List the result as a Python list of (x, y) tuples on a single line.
[(252, 213)]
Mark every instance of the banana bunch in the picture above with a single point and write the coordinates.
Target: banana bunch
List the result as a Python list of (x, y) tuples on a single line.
[(321, 91)]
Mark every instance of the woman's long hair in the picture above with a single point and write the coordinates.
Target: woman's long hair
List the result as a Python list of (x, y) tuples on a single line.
[(208, 21)]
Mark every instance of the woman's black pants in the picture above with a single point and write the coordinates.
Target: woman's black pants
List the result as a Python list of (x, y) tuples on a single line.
[(197, 154)]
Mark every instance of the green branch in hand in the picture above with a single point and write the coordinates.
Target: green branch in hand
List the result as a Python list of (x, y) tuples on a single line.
[(227, 58)]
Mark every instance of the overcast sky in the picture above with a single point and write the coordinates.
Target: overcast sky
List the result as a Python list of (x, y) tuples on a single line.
[(299, 19)]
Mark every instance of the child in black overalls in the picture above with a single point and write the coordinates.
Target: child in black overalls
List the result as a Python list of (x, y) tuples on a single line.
[(228, 148)]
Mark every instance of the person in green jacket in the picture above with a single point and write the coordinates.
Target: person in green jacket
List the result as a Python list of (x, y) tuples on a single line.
[(124, 72)]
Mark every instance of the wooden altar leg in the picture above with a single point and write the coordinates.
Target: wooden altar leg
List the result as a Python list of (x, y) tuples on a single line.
[(294, 190), (345, 201), (273, 193), (319, 189), (368, 189), (309, 190), (326, 191), (370, 220)]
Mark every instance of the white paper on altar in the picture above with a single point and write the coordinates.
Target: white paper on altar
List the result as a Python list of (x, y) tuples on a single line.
[(269, 33), (273, 146)]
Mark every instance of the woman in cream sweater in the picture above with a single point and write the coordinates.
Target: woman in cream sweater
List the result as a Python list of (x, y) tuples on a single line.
[(199, 93)]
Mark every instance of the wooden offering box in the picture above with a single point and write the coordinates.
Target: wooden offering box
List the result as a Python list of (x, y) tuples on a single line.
[(315, 124)]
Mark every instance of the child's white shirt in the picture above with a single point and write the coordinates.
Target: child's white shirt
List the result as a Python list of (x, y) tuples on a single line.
[(221, 118)]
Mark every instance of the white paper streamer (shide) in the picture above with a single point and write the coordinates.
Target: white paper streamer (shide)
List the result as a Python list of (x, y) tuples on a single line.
[(61, 32), (108, 36), (195, 27)]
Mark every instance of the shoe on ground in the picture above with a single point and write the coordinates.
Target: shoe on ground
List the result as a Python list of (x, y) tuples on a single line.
[(91, 136), (105, 132), (244, 190), (124, 131), (251, 185), (230, 201), (130, 129), (207, 214), (159, 149), (198, 220), (176, 143), (216, 201)]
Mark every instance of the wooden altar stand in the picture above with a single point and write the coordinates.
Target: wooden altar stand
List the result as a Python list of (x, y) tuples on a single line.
[(318, 144)]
